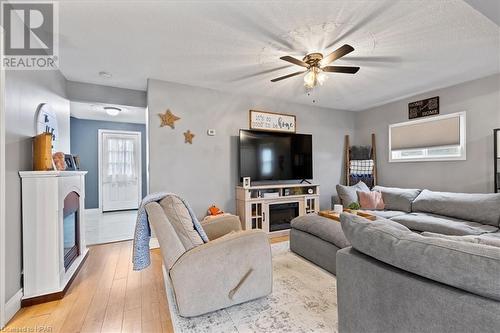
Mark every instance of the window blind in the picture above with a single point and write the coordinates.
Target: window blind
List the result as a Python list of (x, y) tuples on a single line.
[(432, 133)]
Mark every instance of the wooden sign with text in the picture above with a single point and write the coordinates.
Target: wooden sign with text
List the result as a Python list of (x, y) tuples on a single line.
[(423, 108), (274, 122)]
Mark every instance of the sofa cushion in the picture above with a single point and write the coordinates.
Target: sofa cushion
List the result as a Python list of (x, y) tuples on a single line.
[(179, 217), (490, 241), (442, 224), (321, 227), (348, 194), (388, 214), (477, 207), (468, 266), (397, 198)]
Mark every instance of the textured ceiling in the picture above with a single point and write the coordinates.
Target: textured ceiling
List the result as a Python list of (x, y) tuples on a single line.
[(403, 47)]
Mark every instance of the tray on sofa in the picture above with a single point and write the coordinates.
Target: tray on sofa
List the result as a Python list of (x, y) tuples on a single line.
[(336, 216)]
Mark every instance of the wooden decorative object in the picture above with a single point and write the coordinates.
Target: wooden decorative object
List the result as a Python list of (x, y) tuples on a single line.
[(168, 119), (347, 164), (332, 215), (347, 160), (188, 137), (42, 152), (496, 156), (374, 158), (273, 122)]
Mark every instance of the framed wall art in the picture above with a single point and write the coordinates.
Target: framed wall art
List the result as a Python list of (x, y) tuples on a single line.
[(273, 122)]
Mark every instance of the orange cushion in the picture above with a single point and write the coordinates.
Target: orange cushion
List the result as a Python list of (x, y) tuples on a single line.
[(371, 200)]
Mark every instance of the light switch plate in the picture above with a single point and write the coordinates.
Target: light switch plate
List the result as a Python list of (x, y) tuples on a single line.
[(211, 132)]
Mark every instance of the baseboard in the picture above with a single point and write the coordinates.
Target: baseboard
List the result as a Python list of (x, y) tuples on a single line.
[(13, 305), (153, 243)]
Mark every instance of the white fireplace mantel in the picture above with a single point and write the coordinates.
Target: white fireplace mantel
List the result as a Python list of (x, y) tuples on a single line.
[(43, 194)]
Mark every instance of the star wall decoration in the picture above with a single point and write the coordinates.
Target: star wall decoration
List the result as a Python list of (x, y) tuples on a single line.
[(168, 119), (188, 137)]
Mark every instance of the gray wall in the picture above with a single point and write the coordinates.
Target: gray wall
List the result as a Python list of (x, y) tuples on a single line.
[(95, 93), (25, 90), (84, 142), (206, 171), (480, 99)]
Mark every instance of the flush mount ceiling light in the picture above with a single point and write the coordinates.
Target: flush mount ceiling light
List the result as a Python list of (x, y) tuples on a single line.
[(105, 75), (112, 111), (316, 66)]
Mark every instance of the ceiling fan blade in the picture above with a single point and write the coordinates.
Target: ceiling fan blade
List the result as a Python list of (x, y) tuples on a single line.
[(287, 76), (338, 53), (341, 69), (295, 61)]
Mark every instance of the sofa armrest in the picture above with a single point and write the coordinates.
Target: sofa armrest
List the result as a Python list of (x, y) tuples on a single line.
[(219, 226), (224, 272)]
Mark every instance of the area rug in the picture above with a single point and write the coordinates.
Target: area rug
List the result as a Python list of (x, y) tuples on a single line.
[(304, 299)]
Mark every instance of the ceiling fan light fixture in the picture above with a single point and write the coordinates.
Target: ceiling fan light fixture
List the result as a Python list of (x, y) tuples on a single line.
[(310, 79), (314, 77)]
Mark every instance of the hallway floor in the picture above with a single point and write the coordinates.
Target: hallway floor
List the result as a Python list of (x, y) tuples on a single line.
[(109, 227)]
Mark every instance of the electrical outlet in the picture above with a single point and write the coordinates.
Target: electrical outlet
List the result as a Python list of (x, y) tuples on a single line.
[(211, 132)]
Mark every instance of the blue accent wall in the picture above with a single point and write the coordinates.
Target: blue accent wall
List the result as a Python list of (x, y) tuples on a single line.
[(84, 142)]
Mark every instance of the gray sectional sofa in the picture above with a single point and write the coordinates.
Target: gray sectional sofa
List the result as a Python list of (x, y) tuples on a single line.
[(395, 280), (456, 214), (429, 263), (432, 266)]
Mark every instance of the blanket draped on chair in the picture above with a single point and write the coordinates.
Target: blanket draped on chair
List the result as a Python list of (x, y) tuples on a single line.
[(140, 257)]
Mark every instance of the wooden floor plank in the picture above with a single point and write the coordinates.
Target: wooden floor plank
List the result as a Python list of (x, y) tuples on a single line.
[(113, 318), (97, 309), (106, 296)]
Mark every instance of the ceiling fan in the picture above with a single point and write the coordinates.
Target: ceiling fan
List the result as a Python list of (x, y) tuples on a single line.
[(316, 65)]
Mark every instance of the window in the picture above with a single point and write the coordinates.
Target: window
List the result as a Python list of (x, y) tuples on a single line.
[(440, 138)]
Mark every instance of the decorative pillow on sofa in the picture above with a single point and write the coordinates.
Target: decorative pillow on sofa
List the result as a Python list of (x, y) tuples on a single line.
[(398, 198), (468, 266), (179, 217), (371, 200), (348, 194)]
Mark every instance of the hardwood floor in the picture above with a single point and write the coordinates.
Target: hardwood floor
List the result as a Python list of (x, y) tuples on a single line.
[(106, 296)]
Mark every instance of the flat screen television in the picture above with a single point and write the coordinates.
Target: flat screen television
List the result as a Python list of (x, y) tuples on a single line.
[(268, 156)]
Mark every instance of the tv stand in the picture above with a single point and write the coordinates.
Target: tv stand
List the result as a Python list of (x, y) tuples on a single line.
[(272, 207), (304, 181)]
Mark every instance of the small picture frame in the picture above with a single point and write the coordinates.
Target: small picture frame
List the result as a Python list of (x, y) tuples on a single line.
[(76, 158), (246, 182), (70, 162)]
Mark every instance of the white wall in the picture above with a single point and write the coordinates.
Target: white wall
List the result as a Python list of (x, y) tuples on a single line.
[(206, 172), (480, 99), (25, 90)]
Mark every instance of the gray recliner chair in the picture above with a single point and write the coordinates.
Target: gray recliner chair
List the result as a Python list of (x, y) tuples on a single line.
[(233, 267)]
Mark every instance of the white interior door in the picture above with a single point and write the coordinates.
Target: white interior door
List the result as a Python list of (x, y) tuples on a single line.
[(120, 170)]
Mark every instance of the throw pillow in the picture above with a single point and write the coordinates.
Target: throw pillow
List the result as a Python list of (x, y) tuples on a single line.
[(348, 194), (371, 200)]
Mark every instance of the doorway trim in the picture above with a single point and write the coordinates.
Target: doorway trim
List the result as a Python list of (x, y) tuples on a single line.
[(100, 132)]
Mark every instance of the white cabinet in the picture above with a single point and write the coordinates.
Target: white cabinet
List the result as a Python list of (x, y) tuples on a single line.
[(271, 207)]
